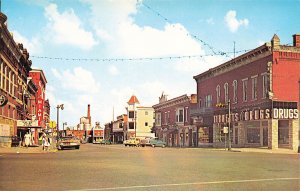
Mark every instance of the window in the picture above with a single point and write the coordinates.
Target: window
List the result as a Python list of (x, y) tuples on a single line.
[(265, 85), (254, 87), (166, 119), (146, 124), (200, 103), (226, 93), (218, 93), (158, 119), (245, 86), (131, 114), (234, 84), (208, 101), (179, 115), (131, 125), (283, 132)]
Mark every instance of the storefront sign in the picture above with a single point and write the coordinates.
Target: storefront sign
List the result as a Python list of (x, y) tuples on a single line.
[(3, 100), (27, 123), (40, 111), (259, 114)]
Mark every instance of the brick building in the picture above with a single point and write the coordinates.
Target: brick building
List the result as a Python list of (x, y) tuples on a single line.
[(119, 127), (261, 88), (172, 121), (14, 70)]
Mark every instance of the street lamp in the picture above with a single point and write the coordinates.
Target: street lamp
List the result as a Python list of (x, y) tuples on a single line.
[(61, 106)]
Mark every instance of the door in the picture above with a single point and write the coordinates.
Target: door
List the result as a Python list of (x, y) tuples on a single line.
[(265, 136)]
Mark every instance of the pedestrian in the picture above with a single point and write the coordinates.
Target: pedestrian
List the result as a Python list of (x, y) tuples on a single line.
[(47, 144), (43, 141), (27, 139)]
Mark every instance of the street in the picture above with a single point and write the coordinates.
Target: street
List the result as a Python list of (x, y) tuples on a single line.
[(115, 167)]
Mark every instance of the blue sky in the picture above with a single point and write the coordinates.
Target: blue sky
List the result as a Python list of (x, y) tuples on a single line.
[(130, 29)]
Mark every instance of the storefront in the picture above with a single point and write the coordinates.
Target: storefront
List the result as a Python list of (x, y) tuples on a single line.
[(272, 128)]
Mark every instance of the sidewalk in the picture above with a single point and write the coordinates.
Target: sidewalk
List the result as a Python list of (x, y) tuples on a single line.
[(19, 150), (259, 150)]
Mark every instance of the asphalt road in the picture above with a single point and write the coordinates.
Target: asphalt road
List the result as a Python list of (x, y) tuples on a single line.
[(115, 167)]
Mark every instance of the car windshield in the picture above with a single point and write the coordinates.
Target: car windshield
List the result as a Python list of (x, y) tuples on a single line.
[(67, 138)]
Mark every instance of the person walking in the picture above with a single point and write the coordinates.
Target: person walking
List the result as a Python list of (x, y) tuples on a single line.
[(43, 141), (27, 139)]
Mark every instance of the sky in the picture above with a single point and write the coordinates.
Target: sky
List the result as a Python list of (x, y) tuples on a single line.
[(101, 52)]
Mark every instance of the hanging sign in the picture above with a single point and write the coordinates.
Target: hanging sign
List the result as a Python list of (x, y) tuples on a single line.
[(3, 100)]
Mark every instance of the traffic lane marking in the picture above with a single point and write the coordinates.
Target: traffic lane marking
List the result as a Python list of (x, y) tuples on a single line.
[(191, 183)]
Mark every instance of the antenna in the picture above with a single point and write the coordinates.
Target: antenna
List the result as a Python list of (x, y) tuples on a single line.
[(233, 49)]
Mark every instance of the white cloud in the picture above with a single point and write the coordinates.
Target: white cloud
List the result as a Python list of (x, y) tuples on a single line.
[(33, 45), (79, 80), (233, 23), (114, 25), (65, 28), (113, 70)]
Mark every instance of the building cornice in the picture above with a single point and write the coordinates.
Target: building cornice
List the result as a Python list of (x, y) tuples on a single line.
[(172, 102), (244, 59)]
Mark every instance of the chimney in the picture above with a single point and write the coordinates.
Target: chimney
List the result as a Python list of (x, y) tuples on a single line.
[(296, 40), (89, 113), (275, 42)]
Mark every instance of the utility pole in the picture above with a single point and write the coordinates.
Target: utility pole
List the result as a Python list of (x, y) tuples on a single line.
[(233, 49), (229, 129)]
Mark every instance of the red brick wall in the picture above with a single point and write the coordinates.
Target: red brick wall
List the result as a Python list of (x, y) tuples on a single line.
[(256, 68), (286, 74)]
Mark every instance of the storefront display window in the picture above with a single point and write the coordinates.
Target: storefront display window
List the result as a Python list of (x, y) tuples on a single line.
[(203, 135), (253, 135), (283, 132)]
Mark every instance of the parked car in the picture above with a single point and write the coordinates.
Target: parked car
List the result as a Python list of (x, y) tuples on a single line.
[(68, 142), (15, 141), (157, 143), (105, 142), (145, 142), (133, 141)]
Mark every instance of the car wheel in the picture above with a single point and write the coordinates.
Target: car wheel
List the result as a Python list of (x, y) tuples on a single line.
[(77, 147)]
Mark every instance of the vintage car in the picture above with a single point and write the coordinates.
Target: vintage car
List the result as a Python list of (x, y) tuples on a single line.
[(68, 142), (133, 141), (157, 143), (105, 142), (145, 142)]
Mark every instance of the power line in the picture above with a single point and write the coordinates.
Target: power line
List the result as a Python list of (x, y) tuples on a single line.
[(192, 35), (132, 59)]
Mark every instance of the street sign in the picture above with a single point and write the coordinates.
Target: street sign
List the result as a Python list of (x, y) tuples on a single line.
[(52, 124), (225, 130)]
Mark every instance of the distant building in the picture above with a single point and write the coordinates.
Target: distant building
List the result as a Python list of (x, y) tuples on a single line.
[(173, 124), (263, 90), (119, 127), (140, 119)]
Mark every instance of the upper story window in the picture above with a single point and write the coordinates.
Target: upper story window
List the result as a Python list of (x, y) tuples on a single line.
[(131, 114), (200, 103), (254, 87), (166, 118), (226, 92), (186, 114), (158, 119), (218, 90), (245, 89), (179, 114), (265, 79), (208, 101), (234, 84)]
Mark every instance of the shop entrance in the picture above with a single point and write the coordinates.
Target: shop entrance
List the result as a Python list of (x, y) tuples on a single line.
[(265, 136)]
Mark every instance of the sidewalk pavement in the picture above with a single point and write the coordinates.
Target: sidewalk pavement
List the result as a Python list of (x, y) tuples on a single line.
[(258, 150), (19, 150)]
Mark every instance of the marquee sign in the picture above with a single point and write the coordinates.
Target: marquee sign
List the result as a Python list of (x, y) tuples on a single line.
[(3, 100), (27, 123), (258, 114)]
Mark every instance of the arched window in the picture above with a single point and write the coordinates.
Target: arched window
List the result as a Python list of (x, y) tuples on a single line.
[(226, 92), (218, 93), (234, 84)]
